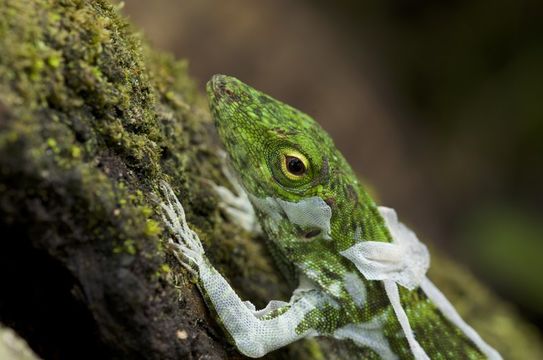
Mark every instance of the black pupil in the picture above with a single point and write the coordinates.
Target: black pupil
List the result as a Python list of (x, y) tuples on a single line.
[(295, 166)]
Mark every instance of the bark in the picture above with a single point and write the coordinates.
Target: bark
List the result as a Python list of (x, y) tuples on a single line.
[(91, 120)]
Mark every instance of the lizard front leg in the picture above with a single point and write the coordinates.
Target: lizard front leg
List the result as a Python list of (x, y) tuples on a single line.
[(254, 333), (235, 205)]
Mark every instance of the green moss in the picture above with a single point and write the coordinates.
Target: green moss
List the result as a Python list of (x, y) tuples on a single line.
[(152, 227), (130, 247), (93, 121), (165, 268), (76, 83)]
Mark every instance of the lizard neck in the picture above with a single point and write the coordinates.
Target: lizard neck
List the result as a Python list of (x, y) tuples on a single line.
[(355, 215)]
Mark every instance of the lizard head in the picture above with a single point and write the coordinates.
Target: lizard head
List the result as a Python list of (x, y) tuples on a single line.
[(276, 150), (304, 191)]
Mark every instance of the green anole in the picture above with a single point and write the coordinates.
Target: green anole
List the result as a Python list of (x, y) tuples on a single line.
[(361, 273)]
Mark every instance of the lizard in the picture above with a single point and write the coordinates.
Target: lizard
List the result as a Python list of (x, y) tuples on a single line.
[(361, 272)]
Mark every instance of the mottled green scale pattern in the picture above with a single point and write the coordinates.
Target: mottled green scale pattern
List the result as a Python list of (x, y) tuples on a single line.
[(255, 129)]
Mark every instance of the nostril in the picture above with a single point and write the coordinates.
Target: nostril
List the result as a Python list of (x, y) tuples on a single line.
[(219, 88), (224, 87), (230, 94)]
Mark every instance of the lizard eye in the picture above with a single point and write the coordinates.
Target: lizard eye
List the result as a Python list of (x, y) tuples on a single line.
[(294, 165), (290, 168)]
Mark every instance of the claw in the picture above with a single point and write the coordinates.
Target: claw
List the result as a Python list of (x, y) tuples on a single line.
[(188, 248), (235, 205)]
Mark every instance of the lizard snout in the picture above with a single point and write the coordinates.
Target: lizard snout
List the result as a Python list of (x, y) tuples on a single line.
[(220, 88)]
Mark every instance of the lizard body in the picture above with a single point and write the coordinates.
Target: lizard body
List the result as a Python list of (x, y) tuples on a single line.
[(361, 272)]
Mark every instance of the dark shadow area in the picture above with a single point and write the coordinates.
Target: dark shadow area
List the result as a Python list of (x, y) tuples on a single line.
[(41, 301)]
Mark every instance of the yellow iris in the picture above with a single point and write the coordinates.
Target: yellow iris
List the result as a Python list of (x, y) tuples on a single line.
[(294, 164)]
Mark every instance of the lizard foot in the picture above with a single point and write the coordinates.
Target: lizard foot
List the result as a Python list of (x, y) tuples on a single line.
[(190, 252), (236, 206)]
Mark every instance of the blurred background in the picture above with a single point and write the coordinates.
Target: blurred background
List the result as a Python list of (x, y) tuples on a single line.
[(437, 105)]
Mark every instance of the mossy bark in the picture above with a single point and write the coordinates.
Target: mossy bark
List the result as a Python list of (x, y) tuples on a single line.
[(90, 121)]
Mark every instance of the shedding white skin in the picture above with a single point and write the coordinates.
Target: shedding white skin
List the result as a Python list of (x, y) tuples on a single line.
[(355, 288), (254, 334), (452, 315), (369, 334), (404, 262), (236, 206), (310, 213), (254, 337)]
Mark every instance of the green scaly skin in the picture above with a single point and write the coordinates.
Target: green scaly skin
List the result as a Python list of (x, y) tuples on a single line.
[(256, 131)]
